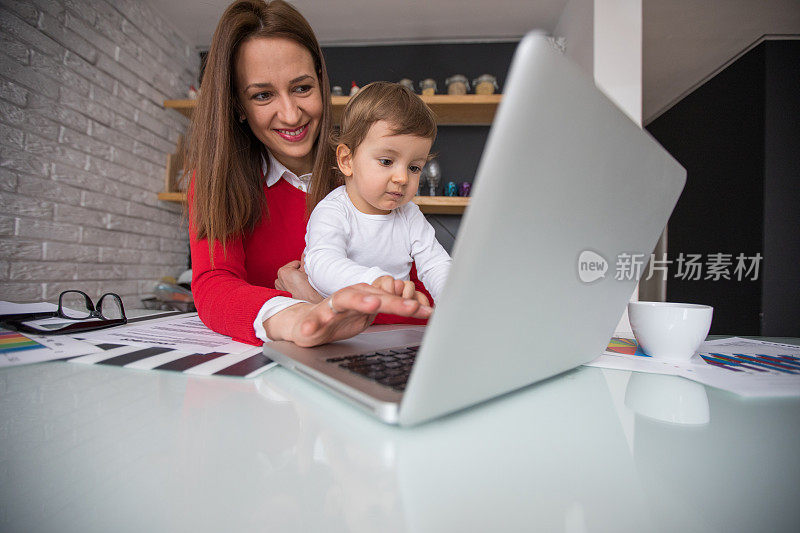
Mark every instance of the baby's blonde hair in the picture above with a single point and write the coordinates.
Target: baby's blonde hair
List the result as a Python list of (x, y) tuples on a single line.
[(405, 112)]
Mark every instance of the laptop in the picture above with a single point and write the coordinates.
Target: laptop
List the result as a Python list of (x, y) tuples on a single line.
[(566, 189)]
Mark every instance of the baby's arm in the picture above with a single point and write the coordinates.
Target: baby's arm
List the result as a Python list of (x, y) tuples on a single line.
[(326, 261), (433, 261)]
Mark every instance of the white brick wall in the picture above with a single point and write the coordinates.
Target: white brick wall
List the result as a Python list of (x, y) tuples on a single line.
[(83, 144)]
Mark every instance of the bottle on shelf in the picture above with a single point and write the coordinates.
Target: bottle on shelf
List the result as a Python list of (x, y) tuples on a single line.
[(433, 173)]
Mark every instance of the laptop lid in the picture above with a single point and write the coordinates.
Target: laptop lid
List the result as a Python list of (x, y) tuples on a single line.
[(565, 177)]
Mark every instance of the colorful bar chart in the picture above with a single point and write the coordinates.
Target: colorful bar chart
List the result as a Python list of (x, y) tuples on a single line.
[(13, 342), (756, 363), (625, 346)]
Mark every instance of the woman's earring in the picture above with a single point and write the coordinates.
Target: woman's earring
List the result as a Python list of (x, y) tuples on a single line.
[(241, 118)]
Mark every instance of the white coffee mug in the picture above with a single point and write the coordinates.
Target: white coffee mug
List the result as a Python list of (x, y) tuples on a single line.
[(668, 330)]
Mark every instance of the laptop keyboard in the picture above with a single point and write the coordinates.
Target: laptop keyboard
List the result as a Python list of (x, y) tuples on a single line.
[(390, 367)]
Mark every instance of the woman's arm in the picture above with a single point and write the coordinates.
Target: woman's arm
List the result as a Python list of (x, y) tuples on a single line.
[(225, 301), (346, 313), (229, 305)]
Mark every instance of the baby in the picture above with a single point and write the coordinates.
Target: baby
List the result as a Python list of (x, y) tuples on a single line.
[(368, 230)]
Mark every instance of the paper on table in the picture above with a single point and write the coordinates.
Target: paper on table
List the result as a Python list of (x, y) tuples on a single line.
[(185, 333), (750, 367), (635, 364), (742, 366), (12, 308), (19, 349), (752, 345)]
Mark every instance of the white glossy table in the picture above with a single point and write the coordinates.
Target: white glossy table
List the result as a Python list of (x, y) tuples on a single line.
[(94, 448)]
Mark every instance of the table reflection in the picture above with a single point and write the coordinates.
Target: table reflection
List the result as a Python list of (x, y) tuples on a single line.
[(667, 398), (534, 457), (112, 449), (709, 460)]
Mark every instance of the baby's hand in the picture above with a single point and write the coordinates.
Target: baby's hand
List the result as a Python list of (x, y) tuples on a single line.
[(410, 291), (400, 287)]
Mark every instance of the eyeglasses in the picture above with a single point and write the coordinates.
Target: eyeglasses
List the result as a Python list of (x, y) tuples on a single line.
[(72, 305)]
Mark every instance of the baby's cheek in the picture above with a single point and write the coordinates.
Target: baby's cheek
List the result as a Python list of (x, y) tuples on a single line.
[(413, 186)]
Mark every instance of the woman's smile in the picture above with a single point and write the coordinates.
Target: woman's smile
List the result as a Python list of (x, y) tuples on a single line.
[(295, 135)]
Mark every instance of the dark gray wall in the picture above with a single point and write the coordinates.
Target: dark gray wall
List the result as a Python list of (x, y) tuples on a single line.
[(737, 136), (781, 287)]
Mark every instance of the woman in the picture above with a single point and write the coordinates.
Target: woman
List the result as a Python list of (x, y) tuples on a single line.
[(260, 128)]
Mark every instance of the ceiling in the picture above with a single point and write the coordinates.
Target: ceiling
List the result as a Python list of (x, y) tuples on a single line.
[(383, 21), (688, 41), (684, 41)]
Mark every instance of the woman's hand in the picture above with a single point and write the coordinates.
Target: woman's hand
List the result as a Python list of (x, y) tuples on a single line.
[(399, 287), (346, 313), (292, 278)]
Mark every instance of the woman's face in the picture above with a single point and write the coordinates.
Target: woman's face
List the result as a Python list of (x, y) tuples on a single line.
[(279, 92)]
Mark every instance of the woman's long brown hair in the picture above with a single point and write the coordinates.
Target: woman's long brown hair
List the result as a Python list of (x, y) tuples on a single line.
[(224, 156)]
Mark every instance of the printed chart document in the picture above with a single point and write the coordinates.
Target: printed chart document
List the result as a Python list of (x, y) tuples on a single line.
[(178, 343), (175, 343), (19, 349), (743, 366), (186, 333)]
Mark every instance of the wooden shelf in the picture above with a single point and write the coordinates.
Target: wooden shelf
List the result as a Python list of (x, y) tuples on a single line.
[(184, 107), (468, 109), (442, 205), (430, 205), (177, 197)]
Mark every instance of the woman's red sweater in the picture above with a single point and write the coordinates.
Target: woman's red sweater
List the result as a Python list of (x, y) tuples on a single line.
[(229, 296)]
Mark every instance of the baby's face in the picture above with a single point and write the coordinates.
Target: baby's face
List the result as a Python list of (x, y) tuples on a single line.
[(384, 172)]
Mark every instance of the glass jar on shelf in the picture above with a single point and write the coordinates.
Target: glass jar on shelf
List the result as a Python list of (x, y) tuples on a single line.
[(457, 84), (408, 84), (428, 86), (485, 84)]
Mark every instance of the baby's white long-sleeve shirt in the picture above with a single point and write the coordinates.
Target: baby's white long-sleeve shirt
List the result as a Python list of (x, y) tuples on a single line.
[(345, 246)]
